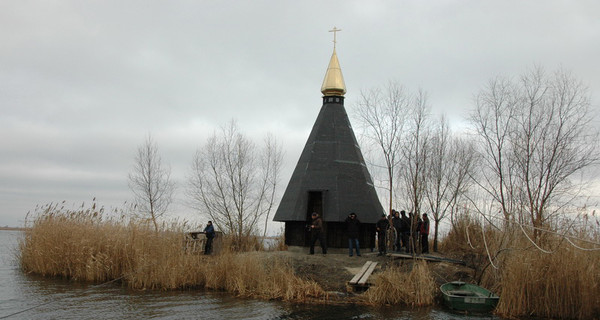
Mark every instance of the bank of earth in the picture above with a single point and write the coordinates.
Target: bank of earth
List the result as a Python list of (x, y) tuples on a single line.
[(332, 271)]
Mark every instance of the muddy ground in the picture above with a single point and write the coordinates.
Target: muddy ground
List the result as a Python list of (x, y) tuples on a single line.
[(333, 270)]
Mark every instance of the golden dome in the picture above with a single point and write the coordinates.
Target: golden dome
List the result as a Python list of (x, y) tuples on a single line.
[(333, 84)]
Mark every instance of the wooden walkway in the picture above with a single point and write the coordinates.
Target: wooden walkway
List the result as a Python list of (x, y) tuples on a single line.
[(360, 280), (424, 257)]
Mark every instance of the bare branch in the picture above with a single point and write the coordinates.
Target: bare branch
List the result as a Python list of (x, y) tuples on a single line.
[(234, 182), (151, 183)]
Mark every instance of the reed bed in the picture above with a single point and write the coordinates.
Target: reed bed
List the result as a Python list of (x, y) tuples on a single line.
[(563, 284), (253, 275), (83, 245), (553, 278), (395, 286)]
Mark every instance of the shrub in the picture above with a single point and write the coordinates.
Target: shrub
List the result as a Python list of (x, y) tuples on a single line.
[(394, 286)]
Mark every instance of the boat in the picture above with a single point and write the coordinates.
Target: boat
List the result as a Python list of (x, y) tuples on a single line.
[(464, 296)]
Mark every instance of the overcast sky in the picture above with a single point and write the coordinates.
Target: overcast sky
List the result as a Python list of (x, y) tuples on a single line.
[(83, 82)]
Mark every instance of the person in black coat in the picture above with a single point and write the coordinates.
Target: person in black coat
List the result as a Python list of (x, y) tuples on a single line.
[(424, 232), (397, 224), (405, 229), (353, 231), (209, 232), (382, 226)]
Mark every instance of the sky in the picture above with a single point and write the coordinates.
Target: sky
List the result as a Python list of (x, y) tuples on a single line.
[(83, 83)]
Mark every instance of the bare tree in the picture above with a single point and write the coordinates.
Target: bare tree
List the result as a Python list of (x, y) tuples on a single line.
[(382, 116), (449, 167), (271, 160), (536, 134), (151, 183), (495, 108), (234, 182), (415, 150)]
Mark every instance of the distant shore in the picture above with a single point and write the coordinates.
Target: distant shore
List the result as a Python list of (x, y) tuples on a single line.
[(13, 228)]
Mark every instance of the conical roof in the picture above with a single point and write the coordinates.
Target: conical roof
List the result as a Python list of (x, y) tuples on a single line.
[(331, 162)]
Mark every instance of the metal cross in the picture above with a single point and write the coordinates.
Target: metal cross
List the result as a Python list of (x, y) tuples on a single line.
[(334, 30)]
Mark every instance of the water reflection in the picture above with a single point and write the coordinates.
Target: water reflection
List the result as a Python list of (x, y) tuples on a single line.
[(62, 299)]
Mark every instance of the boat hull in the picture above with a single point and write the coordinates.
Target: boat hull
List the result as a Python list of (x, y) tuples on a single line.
[(468, 297)]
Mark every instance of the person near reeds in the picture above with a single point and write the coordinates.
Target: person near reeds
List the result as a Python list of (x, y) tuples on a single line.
[(417, 233), (317, 233), (424, 232), (405, 229), (209, 232), (413, 232), (382, 226), (397, 224), (353, 230)]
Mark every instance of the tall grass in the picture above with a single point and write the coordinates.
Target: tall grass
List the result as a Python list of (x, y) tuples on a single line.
[(83, 245), (563, 284), (395, 286), (551, 278)]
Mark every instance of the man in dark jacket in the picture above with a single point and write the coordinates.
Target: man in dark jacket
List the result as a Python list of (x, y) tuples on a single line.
[(382, 226), (405, 229), (424, 231), (317, 233), (397, 224), (353, 230), (209, 232)]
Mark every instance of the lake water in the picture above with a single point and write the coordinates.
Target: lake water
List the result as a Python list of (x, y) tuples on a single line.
[(33, 297)]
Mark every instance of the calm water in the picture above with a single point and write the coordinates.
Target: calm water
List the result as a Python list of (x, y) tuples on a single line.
[(58, 299)]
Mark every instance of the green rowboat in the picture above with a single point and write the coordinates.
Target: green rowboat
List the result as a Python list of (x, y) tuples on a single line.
[(463, 296)]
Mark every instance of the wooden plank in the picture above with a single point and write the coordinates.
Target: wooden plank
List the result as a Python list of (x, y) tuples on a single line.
[(425, 257), (360, 273), (367, 274)]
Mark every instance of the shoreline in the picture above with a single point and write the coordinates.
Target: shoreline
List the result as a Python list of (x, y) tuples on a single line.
[(13, 229)]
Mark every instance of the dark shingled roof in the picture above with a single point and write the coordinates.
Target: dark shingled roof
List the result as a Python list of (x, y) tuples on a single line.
[(331, 162)]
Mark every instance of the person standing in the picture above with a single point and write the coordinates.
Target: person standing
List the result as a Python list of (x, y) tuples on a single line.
[(353, 230), (412, 242), (317, 233), (418, 234), (405, 230), (397, 224), (382, 226), (209, 232), (424, 231)]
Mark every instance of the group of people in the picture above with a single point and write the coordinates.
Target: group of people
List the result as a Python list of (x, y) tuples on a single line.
[(409, 229), (412, 233)]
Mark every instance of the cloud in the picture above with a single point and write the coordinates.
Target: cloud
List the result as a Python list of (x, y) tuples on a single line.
[(82, 83)]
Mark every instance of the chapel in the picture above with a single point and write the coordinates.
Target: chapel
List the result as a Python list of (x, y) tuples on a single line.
[(331, 177)]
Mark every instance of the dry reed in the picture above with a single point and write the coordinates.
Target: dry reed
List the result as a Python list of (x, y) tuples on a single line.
[(83, 245), (560, 282), (395, 286)]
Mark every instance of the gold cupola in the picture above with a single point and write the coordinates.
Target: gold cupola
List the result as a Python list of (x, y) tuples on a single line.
[(333, 84)]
